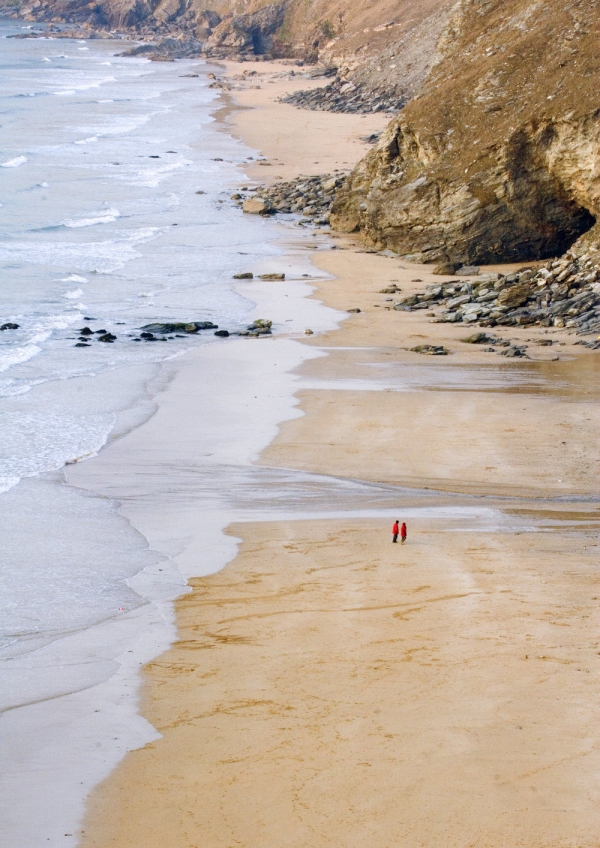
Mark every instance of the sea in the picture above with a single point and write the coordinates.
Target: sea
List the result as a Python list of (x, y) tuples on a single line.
[(115, 212)]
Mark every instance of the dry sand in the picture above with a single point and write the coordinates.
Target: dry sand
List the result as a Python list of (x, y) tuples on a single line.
[(330, 688), (293, 141)]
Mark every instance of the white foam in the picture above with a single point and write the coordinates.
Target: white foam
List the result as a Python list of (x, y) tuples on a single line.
[(74, 278), (152, 177), (17, 355), (7, 483), (89, 140), (103, 257), (14, 163), (73, 295), (107, 217)]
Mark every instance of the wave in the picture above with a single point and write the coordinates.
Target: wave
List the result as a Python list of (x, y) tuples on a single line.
[(74, 278), (75, 88), (152, 177), (14, 163), (89, 140), (17, 355), (104, 257), (73, 295), (108, 216), (7, 483)]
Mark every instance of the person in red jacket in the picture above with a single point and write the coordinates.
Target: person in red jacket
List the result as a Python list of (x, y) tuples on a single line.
[(403, 533), (395, 531)]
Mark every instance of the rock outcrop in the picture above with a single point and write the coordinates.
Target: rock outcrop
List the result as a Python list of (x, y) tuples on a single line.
[(498, 157), (380, 46), (560, 293)]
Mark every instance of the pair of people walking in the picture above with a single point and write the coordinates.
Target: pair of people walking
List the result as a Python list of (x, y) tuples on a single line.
[(399, 531)]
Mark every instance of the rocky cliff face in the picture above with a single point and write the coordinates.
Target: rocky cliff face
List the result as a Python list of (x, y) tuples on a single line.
[(384, 43), (498, 157)]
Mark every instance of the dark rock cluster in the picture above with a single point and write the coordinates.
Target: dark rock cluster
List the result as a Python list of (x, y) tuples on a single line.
[(158, 332), (344, 96), (560, 293), (162, 332)]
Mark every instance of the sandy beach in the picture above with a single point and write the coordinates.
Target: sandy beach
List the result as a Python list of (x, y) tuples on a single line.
[(328, 687)]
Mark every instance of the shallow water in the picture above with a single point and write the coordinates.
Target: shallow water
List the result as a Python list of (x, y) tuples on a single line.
[(100, 158)]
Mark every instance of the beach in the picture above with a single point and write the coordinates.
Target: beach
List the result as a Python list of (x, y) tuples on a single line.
[(327, 687)]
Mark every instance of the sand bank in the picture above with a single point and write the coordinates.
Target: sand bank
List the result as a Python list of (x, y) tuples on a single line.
[(329, 687)]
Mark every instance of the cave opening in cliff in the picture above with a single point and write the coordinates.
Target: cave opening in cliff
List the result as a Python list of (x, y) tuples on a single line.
[(258, 45)]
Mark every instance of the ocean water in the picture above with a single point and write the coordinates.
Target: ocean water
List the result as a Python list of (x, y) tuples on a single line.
[(114, 212)]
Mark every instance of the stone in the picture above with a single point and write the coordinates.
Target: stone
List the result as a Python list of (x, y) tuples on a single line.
[(82, 344), (247, 275), (271, 277), (308, 332), (222, 334), (478, 338), (514, 296), (467, 271), (458, 301), (10, 326), (85, 331), (189, 327), (108, 338), (445, 268), (430, 350), (257, 206), (355, 309)]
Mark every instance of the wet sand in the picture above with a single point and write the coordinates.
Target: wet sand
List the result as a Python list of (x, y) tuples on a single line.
[(329, 687)]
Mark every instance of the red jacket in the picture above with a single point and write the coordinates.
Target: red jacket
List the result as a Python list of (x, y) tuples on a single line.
[(403, 530), (395, 529)]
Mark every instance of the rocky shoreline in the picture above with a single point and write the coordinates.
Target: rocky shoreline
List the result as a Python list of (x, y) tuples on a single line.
[(345, 96), (311, 197), (562, 293)]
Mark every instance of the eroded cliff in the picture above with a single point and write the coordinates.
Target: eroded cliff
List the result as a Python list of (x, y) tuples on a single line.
[(498, 157)]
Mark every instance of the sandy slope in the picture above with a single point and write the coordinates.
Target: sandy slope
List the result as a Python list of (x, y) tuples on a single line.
[(329, 688)]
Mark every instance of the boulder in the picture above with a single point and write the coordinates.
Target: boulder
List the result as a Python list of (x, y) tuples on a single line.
[(222, 334), (467, 271), (445, 268), (9, 326), (247, 275), (478, 338), (271, 277), (430, 350), (189, 327), (514, 296), (257, 206)]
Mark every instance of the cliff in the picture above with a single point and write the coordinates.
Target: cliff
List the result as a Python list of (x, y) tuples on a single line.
[(386, 44), (498, 157)]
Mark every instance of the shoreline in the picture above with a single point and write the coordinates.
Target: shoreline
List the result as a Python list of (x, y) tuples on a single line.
[(249, 738)]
